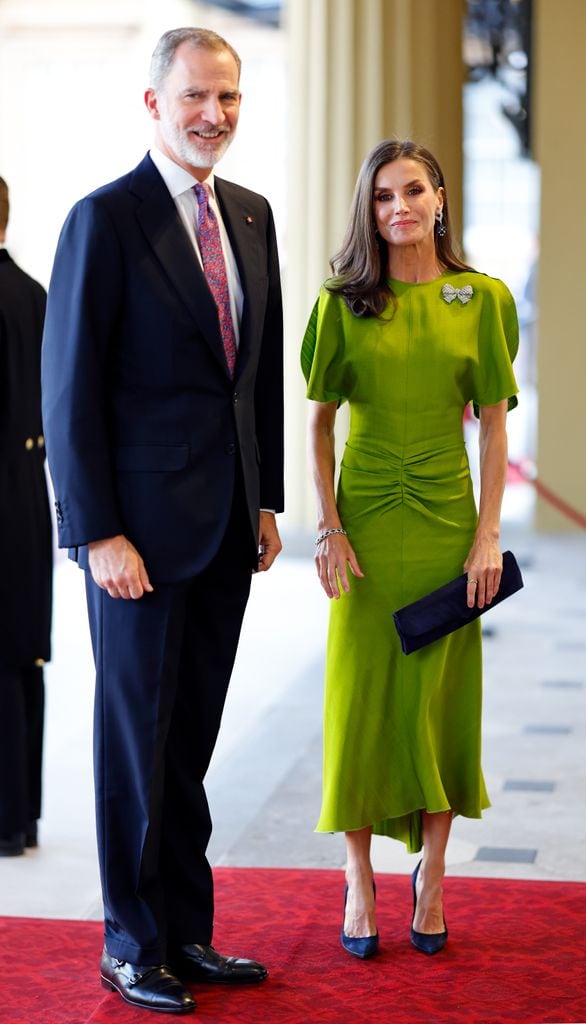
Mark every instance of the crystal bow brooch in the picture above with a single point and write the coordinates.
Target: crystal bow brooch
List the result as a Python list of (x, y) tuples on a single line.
[(449, 293)]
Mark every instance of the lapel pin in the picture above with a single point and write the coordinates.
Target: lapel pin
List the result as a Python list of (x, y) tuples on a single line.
[(248, 219)]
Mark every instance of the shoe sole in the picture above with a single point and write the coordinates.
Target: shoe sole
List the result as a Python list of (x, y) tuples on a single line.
[(144, 1006), (186, 975), (429, 952), (361, 956)]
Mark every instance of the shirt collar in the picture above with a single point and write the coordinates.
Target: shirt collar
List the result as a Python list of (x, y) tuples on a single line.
[(176, 178)]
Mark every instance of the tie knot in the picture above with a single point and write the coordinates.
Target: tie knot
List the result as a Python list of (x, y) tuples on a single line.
[(202, 192)]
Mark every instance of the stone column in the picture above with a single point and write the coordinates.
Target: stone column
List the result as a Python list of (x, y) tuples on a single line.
[(359, 71), (560, 149)]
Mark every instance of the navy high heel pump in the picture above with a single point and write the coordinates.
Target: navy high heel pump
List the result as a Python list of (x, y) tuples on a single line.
[(361, 947), (425, 943)]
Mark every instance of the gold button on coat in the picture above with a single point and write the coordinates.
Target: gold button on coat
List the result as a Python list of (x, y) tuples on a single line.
[(40, 441), (29, 444)]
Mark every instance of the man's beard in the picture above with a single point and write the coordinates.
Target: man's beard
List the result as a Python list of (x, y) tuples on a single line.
[(194, 150)]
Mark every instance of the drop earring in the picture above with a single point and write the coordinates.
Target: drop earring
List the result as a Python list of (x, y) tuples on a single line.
[(441, 227)]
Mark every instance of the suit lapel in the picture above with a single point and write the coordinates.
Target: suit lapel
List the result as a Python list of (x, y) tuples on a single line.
[(164, 232)]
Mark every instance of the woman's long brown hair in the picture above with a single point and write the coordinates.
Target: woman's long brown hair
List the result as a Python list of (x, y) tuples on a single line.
[(360, 266)]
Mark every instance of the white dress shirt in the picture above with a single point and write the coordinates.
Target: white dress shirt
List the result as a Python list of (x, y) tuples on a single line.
[(180, 184)]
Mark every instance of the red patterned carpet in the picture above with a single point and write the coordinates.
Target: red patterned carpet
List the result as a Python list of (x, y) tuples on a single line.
[(516, 953)]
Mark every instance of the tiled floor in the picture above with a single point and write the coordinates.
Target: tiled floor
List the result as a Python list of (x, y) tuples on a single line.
[(264, 784)]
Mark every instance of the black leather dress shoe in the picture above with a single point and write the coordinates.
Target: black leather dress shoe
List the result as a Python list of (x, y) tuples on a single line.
[(203, 963), (11, 844), (151, 988)]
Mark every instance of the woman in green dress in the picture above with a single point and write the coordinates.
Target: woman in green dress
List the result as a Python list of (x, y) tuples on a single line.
[(408, 335)]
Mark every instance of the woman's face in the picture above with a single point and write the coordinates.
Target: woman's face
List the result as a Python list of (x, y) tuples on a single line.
[(405, 203)]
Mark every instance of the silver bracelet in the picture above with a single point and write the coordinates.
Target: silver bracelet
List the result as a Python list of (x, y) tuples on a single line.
[(328, 533)]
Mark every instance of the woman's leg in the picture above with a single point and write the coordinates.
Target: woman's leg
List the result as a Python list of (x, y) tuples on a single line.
[(429, 917), (360, 918)]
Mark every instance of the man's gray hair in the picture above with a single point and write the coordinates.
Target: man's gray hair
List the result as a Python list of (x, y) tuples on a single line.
[(198, 38)]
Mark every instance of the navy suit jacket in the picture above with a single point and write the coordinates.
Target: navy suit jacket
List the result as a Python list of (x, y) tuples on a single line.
[(143, 424)]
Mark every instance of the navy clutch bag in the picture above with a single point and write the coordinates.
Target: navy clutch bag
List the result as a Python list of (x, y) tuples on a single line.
[(445, 609)]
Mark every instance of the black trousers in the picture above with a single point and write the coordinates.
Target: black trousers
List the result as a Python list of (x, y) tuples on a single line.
[(22, 707), (163, 664)]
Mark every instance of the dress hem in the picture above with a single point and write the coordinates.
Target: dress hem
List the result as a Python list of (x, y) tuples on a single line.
[(475, 815)]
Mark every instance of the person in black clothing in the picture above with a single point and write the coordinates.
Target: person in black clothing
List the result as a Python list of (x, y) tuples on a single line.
[(25, 552)]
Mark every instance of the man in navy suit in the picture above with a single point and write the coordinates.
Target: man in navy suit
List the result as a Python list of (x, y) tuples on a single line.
[(167, 464)]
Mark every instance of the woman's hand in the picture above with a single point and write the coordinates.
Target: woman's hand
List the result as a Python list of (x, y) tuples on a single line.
[(484, 566), (334, 553), (332, 558)]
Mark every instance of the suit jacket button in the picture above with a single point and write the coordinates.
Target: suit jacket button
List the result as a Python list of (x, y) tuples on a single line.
[(40, 441), (235, 398), (230, 448), (29, 444), (39, 662)]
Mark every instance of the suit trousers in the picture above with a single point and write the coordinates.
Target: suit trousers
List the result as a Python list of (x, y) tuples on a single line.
[(163, 664), (22, 707)]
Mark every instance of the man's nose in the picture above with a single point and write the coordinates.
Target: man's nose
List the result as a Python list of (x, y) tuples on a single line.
[(213, 111)]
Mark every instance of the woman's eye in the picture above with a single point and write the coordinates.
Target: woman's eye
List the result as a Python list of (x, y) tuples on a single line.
[(384, 197), (415, 191)]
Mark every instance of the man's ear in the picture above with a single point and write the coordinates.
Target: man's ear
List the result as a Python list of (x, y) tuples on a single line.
[(152, 104)]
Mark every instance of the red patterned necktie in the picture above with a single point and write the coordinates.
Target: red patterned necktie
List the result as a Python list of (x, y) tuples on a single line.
[(212, 257)]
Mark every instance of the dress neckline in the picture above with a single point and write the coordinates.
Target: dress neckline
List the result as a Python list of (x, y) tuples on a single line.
[(421, 284)]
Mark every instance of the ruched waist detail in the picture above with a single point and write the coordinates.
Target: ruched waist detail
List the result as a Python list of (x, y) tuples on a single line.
[(427, 479)]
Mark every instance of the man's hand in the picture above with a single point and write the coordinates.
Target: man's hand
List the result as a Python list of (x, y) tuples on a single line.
[(269, 542), (117, 567)]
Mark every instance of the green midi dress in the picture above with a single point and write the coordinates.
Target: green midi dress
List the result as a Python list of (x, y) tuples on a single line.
[(402, 733)]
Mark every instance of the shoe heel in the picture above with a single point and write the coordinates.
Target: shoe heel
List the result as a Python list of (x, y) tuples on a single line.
[(363, 948), (423, 941)]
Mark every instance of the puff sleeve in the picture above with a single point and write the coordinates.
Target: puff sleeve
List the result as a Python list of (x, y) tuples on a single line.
[(498, 341), (322, 350)]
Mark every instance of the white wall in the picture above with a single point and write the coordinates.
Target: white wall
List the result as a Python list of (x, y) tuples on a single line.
[(72, 79)]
